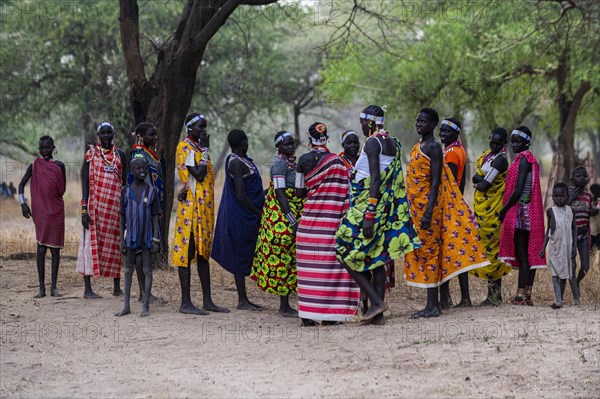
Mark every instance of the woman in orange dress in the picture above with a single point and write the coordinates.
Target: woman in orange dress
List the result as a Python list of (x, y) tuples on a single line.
[(449, 241)]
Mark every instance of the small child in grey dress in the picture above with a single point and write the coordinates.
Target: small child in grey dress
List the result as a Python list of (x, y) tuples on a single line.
[(560, 240)]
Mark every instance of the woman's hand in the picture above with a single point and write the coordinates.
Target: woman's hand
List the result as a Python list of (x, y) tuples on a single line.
[(25, 210), (426, 221), (182, 194), (85, 221), (368, 229)]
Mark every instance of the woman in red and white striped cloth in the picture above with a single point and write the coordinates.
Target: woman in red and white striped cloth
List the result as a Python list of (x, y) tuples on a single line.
[(326, 291)]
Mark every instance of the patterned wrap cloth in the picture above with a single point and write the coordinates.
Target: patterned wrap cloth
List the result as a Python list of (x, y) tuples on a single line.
[(236, 231), (326, 291), (394, 234), (47, 205), (450, 246), (274, 264), (487, 206), (536, 216), (195, 215), (99, 247)]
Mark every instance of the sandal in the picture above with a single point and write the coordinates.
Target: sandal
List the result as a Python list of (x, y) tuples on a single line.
[(518, 300)]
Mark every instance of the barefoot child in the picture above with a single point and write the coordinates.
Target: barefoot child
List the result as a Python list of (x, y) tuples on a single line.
[(560, 239), (48, 183), (140, 210), (580, 201)]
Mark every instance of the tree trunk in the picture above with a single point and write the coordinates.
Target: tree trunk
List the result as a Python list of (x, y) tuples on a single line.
[(165, 98), (568, 110)]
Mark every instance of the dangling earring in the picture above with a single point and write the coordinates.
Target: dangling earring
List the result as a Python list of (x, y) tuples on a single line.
[(139, 140)]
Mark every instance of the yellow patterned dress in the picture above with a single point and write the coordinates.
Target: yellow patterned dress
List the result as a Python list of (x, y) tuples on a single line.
[(487, 205), (450, 246), (195, 216)]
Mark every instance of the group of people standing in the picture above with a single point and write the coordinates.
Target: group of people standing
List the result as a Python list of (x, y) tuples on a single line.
[(329, 227)]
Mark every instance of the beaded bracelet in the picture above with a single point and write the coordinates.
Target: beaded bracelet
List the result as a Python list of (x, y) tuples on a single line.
[(84, 202), (290, 217), (154, 239), (372, 201), (369, 215)]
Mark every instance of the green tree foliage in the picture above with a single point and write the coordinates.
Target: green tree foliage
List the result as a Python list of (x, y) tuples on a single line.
[(506, 62)]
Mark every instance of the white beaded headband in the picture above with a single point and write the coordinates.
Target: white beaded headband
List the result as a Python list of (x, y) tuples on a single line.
[(103, 124), (451, 124), (194, 120), (282, 137), (377, 119), (348, 134), (521, 134)]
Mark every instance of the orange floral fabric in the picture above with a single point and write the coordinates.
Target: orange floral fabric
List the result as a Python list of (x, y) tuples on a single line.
[(451, 245)]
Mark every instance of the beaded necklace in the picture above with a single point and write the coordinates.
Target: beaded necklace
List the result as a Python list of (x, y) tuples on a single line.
[(147, 150), (246, 161), (111, 150), (203, 150), (380, 133), (319, 148), (290, 161)]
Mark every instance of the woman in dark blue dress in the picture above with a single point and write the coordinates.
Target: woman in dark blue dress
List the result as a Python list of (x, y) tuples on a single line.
[(238, 220)]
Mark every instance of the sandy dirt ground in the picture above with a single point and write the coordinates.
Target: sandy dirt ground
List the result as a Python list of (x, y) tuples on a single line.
[(72, 347)]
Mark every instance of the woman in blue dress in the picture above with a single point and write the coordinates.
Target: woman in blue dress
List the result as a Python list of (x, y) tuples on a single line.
[(238, 220)]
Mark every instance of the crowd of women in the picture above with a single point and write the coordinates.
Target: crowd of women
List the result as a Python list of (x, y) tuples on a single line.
[(330, 227)]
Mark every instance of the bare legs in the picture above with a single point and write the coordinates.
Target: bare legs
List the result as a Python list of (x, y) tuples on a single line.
[(285, 309), (41, 266), (185, 281), (374, 292), (526, 274), (432, 308), (494, 297), (243, 301), (129, 266)]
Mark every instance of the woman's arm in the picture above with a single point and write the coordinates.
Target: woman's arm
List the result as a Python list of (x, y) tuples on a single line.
[(549, 231), (434, 152), (372, 149), (304, 166), (237, 169), (85, 189), (499, 166), (524, 169), (62, 168), (125, 166), (24, 207)]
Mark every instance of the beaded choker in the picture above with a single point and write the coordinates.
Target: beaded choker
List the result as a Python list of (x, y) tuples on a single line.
[(290, 161), (147, 150), (380, 133), (320, 148)]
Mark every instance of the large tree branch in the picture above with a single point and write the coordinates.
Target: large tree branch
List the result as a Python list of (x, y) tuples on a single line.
[(130, 40), (200, 40)]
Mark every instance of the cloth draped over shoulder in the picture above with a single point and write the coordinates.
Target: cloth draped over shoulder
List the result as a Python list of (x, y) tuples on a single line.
[(394, 234), (236, 231), (47, 204), (488, 205), (536, 216), (326, 291), (195, 215), (450, 246), (99, 248)]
